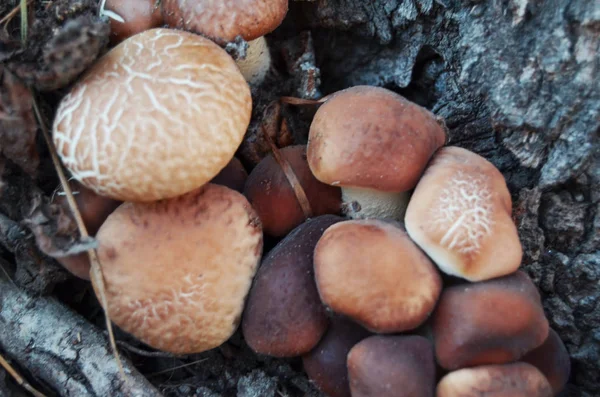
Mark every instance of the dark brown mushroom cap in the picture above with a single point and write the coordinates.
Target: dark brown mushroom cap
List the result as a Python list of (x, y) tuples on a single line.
[(371, 137), (490, 322), (224, 20), (370, 271), (233, 176), (272, 196), (552, 359), (326, 365), (137, 15), (392, 366), (284, 316), (508, 380)]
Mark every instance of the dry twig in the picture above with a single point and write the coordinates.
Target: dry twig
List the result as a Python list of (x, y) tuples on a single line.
[(19, 379)]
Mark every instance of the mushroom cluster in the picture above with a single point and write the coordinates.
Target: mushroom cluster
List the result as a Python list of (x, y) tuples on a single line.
[(396, 265)]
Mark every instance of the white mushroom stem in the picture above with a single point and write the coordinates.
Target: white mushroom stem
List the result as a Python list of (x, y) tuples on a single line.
[(361, 203), (257, 62)]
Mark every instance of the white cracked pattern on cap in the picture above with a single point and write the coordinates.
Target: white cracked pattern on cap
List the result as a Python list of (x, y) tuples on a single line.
[(158, 116)]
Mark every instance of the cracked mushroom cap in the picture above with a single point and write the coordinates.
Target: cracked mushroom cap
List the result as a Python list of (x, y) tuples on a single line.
[(156, 117), (510, 380), (489, 322), (224, 20), (460, 215), (392, 366), (370, 271), (172, 280)]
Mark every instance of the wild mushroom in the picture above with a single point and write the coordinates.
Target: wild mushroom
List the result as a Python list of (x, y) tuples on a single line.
[(284, 316), (224, 20), (489, 322), (94, 210), (392, 366), (552, 359), (171, 278), (326, 364), (274, 196), (460, 215), (157, 116), (131, 17), (374, 144), (514, 380), (233, 176), (370, 271)]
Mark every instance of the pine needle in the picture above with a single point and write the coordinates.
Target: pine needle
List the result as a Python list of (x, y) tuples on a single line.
[(19, 379), (96, 271)]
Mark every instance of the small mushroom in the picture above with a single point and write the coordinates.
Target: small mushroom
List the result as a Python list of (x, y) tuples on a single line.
[(131, 17), (172, 279), (460, 215), (224, 20), (552, 359), (392, 366), (284, 316), (489, 322), (272, 193), (94, 210), (326, 365), (370, 271), (159, 115), (509, 380), (233, 176), (374, 144)]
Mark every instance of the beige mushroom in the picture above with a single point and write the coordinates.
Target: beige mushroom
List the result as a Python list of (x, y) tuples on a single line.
[(172, 279), (460, 215), (156, 117)]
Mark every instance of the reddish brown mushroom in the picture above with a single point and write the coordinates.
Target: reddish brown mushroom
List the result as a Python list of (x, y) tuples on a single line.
[(392, 366), (131, 17), (489, 322), (271, 192), (233, 176), (284, 316)]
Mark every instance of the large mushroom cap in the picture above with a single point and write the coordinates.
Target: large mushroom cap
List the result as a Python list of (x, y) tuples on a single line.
[(172, 279), (460, 215), (224, 20), (371, 137), (158, 116)]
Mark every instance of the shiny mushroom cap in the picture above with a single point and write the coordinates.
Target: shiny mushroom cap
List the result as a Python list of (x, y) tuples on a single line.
[(172, 280), (460, 215), (156, 117)]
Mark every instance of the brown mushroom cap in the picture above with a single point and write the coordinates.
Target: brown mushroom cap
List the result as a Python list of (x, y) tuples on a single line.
[(392, 366), (233, 176), (157, 116), (509, 380), (172, 279), (326, 365), (552, 359), (460, 215), (284, 316), (371, 137), (490, 322), (272, 196), (370, 271), (224, 20), (136, 15)]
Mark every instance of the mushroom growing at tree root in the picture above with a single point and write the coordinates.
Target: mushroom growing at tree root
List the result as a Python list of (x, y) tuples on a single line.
[(224, 20), (374, 144), (156, 117), (171, 278)]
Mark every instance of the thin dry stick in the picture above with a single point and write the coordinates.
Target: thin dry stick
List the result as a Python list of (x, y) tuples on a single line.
[(290, 100), (96, 273), (19, 379)]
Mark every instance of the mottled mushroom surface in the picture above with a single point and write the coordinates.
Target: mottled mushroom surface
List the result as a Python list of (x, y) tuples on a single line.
[(156, 117), (172, 280)]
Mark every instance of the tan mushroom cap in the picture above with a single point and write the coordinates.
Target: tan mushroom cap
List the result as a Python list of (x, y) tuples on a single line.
[(156, 117), (370, 271), (172, 279), (224, 20), (510, 380), (460, 215), (370, 137)]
